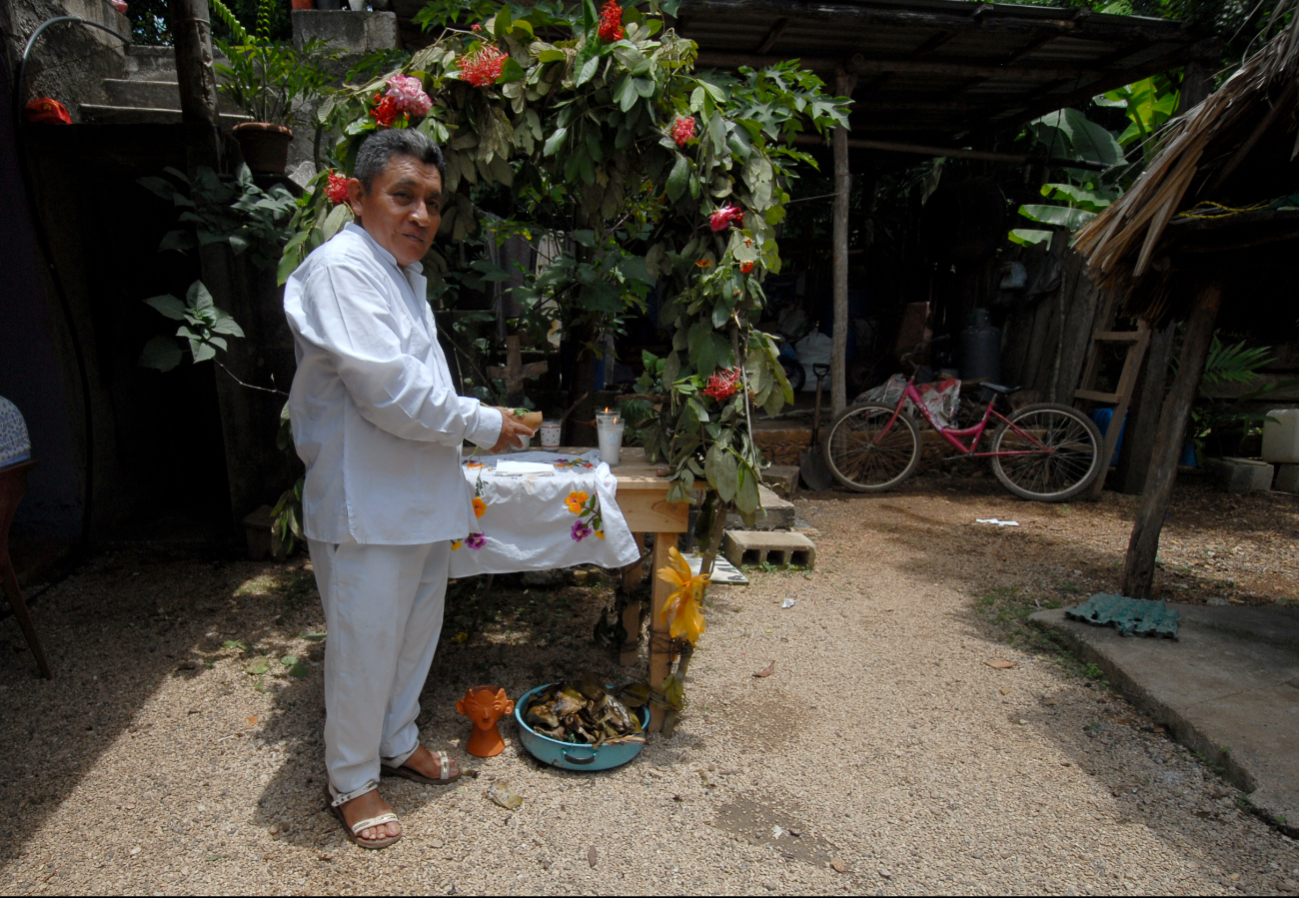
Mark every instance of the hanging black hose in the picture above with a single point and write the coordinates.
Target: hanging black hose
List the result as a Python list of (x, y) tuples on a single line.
[(43, 243)]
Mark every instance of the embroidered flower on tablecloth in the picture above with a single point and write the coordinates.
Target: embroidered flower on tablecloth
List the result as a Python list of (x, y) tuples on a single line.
[(587, 508), (475, 541), (480, 507), (572, 463)]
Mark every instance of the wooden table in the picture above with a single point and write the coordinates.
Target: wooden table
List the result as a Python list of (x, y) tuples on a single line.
[(643, 498)]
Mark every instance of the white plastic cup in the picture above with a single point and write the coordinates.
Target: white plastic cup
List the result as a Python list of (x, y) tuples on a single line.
[(550, 434), (610, 436)]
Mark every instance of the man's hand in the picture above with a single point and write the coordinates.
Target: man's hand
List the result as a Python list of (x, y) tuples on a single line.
[(513, 433)]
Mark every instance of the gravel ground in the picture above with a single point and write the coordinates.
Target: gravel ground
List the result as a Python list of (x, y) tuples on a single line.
[(884, 754)]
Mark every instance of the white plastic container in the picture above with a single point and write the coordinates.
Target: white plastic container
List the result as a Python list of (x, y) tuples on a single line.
[(1281, 438)]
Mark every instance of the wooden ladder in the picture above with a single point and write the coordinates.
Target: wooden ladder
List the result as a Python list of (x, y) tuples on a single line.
[(1137, 341)]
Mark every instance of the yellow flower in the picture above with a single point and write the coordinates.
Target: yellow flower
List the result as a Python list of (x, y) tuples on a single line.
[(576, 500), (457, 544), (480, 507), (681, 611), (600, 533)]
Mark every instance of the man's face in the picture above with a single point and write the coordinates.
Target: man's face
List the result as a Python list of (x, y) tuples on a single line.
[(402, 209)]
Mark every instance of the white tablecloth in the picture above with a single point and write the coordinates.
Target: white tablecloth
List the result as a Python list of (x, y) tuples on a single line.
[(542, 522)]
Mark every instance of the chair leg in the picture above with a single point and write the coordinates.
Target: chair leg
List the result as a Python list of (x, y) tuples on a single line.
[(9, 586)]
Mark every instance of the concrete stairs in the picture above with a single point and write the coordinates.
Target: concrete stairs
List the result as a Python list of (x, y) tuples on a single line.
[(149, 94)]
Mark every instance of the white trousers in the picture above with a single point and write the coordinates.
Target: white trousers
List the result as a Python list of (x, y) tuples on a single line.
[(383, 614)]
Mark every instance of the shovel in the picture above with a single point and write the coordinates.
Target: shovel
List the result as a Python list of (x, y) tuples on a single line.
[(811, 461)]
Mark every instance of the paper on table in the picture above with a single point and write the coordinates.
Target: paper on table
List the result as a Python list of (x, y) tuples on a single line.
[(519, 468)]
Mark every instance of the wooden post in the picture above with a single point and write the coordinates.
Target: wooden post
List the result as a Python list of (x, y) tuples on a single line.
[(1143, 417), (1139, 567), (660, 659), (844, 84), (632, 575), (191, 30)]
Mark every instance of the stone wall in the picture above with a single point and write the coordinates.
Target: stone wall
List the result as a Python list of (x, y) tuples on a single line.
[(70, 61)]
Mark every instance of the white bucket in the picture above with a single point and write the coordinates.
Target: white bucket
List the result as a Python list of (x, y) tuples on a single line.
[(1281, 437)]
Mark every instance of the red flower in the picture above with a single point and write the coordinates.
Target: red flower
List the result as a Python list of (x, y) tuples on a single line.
[(723, 386), (746, 267), (386, 111), (475, 27), (611, 22), (722, 218), (484, 66), (683, 129), (336, 188)]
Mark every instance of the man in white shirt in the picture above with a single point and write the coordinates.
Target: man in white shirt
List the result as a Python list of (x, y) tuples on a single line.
[(378, 423)]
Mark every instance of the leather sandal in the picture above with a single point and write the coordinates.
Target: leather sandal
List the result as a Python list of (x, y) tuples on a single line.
[(353, 831), (444, 768)]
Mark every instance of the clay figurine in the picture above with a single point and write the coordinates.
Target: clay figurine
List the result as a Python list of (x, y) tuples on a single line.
[(485, 705)]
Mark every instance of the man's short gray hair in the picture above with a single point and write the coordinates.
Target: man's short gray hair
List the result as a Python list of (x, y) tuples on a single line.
[(380, 147)]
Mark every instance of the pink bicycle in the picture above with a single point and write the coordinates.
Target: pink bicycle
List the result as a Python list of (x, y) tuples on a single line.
[(1044, 452)]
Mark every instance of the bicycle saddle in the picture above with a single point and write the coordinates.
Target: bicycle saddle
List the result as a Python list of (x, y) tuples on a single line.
[(998, 388)]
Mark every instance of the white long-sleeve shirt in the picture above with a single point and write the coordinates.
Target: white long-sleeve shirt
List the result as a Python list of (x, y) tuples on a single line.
[(375, 416)]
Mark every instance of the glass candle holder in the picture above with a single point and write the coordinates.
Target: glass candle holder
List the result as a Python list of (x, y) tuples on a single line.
[(550, 434), (610, 436), (608, 416)]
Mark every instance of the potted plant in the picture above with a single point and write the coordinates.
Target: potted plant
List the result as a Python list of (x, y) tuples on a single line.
[(271, 81)]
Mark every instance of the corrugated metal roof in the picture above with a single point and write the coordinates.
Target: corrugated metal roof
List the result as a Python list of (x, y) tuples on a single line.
[(939, 71)]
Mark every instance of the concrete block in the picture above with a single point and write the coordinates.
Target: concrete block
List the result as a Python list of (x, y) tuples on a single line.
[(1287, 479), (757, 546), (782, 479), (350, 32), (776, 514), (1244, 475)]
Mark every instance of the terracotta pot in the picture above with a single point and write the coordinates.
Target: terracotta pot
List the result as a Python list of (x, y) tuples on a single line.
[(302, 4), (265, 146)]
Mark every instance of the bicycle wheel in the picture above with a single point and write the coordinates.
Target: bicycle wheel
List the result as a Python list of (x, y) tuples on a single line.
[(1062, 453), (867, 455)]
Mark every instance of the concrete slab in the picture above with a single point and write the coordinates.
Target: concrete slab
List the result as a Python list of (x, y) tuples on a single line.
[(782, 479), (1228, 688), (776, 514), (1287, 479)]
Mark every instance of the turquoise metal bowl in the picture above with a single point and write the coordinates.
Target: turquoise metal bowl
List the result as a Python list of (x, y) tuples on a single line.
[(569, 755)]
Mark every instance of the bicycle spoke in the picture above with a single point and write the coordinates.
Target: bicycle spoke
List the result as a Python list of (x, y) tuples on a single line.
[(1058, 449), (868, 449)]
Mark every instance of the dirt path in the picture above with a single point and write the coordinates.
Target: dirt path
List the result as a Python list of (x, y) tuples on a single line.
[(884, 741)]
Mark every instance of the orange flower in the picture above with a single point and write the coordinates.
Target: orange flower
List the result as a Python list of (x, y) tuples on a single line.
[(576, 500), (600, 533), (681, 611), (480, 507), (456, 544), (705, 263)]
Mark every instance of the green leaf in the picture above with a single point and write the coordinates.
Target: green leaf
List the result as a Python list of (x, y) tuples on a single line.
[(161, 353), (554, 142), (168, 305), (228, 326), (1029, 237), (204, 351), (257, 666), (551, 55), (722, 471), (339, 216), (1073, 219), (679, 178), (588, 70), (199, 298), (747, 499)]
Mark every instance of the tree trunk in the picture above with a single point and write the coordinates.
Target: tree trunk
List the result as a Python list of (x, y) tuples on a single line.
[(844, 84), (1139, 568), (1143, 417), (191, 30)]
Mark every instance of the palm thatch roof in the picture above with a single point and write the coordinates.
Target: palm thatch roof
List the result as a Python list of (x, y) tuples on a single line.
[(1235, 152)]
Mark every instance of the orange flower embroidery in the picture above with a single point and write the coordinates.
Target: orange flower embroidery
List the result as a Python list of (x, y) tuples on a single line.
[(576, 500), (480, 507)]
